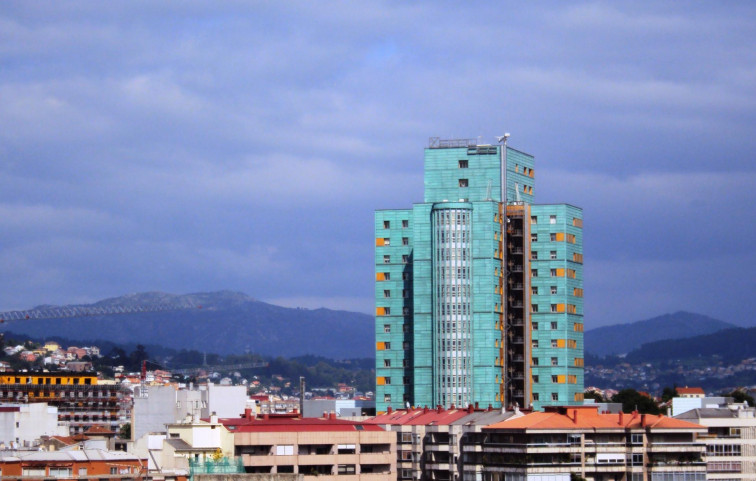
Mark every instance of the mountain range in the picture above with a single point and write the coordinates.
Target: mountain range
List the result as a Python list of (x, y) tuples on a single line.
[(235, 323), (623, 338), (228, 323)]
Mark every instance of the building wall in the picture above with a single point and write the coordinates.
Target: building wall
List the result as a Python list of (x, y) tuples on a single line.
[(320, 454), (224, 401), (557, 304), (413, 330)]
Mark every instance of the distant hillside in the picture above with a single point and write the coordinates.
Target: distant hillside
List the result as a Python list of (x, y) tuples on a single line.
[(728, 346), (623, 338), (228, 323)]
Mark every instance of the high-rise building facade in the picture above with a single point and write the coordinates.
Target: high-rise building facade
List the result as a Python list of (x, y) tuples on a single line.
[(478, 290)]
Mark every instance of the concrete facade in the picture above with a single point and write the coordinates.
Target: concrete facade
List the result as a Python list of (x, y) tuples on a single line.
[(23, 424), (478, 291)]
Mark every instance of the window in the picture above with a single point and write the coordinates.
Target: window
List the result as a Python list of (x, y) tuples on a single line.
[(386, 311), (113, 470), (463, 182), (533, 219), (346, 469), (554, 343), (553, 255), (535, 361), (388, 380), (553, 325), (405, 312), (405, 362), (533, 237), (405, 293), (534, 290), (534, 343), (535, 396), (35, 471), (534, 272), (554, 379), (387, 328), (82, 471), (554, 308), (405, 224), (553, 289), (285, 450), (386, 241), (552, 237), (534, 255), (554, 361), (535, 326), (387, 398), (553, 272), (534, 308), (535, 379), (386, 293), (386, 276), (636, 438), (552, 219), (387, 345), (386, 259), (406, 276), (386, 224), (405, 241), (405, 259), (463, 164), (405, 345), (637, 459), (555, 396)]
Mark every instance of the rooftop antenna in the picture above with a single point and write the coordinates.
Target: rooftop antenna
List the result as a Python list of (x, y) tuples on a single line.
[(502, 139)]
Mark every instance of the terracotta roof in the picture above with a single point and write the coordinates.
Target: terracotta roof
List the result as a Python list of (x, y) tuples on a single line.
[(588, 417), (67, 440), (289, 424), (690, 390), (99, 429), (424, 416)]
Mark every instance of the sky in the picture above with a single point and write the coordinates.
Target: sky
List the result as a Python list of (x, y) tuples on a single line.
[(198, 146)]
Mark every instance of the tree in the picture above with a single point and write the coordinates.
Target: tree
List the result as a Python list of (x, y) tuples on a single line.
[(594, 395), (741, 395), (668, 393), (136, 357), (125, 431), (633, 400)]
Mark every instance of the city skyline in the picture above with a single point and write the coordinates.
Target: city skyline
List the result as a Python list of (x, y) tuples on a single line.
[(191, 147)]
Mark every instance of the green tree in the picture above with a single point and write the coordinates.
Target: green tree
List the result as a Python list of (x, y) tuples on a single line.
[(668, 393), (125, 431), (741, 395), (632, 400), (594, 395)]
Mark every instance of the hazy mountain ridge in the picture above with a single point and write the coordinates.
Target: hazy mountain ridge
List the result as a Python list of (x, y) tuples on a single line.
[(227, 323), (623, 338)]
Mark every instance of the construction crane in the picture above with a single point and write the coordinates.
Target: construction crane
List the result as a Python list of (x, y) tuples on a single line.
[(84, 311)]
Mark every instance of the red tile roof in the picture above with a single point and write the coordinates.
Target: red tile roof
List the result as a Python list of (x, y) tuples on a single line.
[(588, 417), (98, 429), (292, 424), (416, 417), (690, 390)]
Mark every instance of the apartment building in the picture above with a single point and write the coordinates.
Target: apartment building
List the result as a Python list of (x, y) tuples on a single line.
[(75, 464), (429, 440), (577, 440), (325, 448), (730, 440), (478, 290), (81, 401)]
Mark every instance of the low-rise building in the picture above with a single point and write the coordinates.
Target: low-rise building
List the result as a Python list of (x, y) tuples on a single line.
[(578, 440), (21, 425), (730, 441), (77, 464), (327, 448)]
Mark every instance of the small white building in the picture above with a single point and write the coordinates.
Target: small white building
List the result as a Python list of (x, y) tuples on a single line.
[(23, 424)]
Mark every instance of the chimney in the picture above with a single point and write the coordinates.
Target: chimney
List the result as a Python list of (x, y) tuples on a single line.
[(439, 409), (490, 408), (248, 413), (425, 410), (332, 416), (575, 416), (643, 420), (325, 414), (621, 418), (476, 405), (452, 407), (470, 409), (389, 410)]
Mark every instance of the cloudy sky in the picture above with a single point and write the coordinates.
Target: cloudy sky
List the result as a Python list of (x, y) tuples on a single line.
[(195, 146)]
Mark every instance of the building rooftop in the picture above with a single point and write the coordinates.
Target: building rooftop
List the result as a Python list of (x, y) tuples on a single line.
[(588, 417), (690, 390), (291, 423), (421, 416)]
